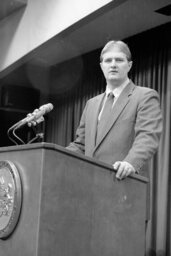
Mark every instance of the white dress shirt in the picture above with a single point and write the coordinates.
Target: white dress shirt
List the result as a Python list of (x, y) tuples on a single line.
[(116, 92)]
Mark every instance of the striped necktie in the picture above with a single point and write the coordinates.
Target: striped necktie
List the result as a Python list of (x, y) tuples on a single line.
[(105, 115)]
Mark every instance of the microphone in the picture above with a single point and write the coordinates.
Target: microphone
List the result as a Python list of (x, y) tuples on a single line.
[(36, 115)]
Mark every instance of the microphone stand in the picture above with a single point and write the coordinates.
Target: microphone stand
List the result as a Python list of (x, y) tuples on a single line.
[(17, 136), (12, 131), (38, 135)]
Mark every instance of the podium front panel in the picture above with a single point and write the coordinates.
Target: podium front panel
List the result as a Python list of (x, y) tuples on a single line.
[(73, 206)]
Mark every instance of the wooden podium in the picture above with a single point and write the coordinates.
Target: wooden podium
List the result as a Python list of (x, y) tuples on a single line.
[(73, 206)]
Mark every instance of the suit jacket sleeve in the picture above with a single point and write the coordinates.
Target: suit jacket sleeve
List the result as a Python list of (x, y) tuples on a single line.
[(78, 145), (148, 128)]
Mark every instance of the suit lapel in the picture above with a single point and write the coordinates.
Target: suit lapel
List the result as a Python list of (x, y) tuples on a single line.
[(94, 116), (119, 106)]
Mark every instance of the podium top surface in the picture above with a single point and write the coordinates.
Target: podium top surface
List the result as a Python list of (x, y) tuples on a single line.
[(55, 147)]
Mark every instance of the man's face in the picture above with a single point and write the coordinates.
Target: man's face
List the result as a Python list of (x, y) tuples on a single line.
[(115, 66)]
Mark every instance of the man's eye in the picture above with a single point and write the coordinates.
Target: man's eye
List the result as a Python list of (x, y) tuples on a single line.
[(119, 60), (110, 60), (107, 60)]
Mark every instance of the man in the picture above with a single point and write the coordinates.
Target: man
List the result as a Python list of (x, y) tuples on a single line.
[(128, 135)]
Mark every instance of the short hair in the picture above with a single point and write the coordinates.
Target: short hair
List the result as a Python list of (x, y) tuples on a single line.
[(123, 47)]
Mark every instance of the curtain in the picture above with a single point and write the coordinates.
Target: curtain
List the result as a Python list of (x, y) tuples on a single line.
[(152, 57), (152, 68)]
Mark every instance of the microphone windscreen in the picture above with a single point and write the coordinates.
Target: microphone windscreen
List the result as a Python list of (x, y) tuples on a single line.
[(46, 108)]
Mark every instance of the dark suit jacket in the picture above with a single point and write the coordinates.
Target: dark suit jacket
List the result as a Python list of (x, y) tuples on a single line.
[(132, 133)]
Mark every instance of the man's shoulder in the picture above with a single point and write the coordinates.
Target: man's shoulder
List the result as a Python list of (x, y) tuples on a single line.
[(97, 97), (143, 89)]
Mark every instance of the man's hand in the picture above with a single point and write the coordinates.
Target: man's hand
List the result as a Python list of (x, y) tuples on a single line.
[(124, 169)]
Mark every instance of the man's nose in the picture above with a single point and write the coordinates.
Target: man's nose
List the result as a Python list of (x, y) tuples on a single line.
[(113, 62)]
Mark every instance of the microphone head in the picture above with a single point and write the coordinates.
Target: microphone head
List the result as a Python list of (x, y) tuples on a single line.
[(46, 108)]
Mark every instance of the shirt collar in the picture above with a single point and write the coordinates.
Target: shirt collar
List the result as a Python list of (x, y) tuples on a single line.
[(117, 91)]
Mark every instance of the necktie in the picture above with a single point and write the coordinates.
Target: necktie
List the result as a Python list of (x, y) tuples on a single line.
[(105, 115)]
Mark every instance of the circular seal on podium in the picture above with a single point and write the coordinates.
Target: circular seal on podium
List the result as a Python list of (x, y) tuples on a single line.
[(10, 198)]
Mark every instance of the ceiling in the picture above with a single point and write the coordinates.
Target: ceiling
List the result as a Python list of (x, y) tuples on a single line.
[(7, 7), (118, 21)]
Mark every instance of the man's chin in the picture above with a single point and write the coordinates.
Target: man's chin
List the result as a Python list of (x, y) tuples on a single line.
[(113, 78)]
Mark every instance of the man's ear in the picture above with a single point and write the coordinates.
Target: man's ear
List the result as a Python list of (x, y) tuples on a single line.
[(130, 64)]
